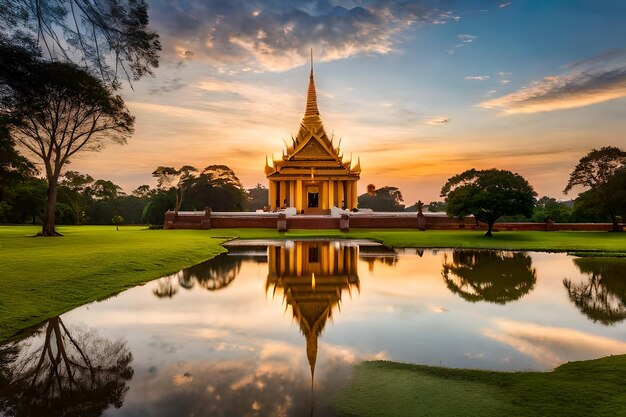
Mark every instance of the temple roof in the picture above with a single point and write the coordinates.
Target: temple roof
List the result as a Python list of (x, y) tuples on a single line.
[(312, 147)]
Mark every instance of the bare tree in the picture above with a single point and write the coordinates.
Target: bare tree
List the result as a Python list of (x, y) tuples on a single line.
[(68, 373), (107, 37), (56, 110)]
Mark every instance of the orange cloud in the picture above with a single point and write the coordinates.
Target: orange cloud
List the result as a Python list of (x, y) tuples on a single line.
[(553, 346), (569, 91)]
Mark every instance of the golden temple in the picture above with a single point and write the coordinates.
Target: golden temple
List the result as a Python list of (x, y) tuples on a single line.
[(312, 175), (312, 276)]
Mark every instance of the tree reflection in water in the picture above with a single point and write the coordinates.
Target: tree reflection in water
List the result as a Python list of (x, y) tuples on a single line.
[(73, 373), (602, 297), (493, 276), (213, 275), (381, 254)]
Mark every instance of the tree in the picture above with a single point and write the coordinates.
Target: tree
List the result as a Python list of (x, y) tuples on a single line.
[(435, 206), (29, 200), (493, 276), (488, 195), (75, 191), (217, 187), (14, 168), (382, 199), (56, 110), (257, 197), (88, 32), (63, 373), (602, 297), (596, 171), (548, 208), (178, 180)]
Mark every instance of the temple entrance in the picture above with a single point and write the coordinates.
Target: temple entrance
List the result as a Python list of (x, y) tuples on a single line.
[(313, 200)]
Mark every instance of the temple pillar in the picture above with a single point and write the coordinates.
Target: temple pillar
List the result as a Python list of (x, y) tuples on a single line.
[(340, 196), (331, 193), (292, 193), (348, 196), (282, 195), (272, 198), (299, 195), (323, 192), (355, 193)]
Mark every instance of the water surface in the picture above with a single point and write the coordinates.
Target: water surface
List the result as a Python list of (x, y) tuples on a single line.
[(274, 330)]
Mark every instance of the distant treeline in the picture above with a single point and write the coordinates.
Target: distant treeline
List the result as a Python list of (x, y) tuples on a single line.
[(85, 200)]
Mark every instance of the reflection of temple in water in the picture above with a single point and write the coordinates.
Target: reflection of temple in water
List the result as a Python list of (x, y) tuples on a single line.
[(312, 276)]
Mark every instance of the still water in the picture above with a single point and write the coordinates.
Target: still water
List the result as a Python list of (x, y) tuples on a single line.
[(274, 328)]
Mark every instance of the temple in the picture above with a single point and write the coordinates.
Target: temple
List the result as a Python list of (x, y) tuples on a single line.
[(312, 175), (312, 276)]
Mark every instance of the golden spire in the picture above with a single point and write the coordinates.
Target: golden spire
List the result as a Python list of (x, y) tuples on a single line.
[(311, 98)]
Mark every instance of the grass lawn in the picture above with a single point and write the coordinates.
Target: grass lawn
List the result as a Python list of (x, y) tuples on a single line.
[(587, 388), (44, 277)]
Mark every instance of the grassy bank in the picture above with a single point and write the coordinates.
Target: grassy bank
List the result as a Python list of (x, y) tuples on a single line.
[(603, 243), (587, 388), (44, 277)]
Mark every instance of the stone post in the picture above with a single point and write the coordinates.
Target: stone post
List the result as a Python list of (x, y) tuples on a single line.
[(281, 223), (344, 222), (206, 221)]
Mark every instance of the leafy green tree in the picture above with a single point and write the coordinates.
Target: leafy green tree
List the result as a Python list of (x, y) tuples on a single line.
[(493, 276), (160, 202), (596, 171), (257, 197), (177, 180), (14, 168), (382, 199), (217, 187), (87, 32), (40, 97), (436, 206), (488, 195), (602, 296), (29, 201), (548, 208), (75, 191), (64, 214)]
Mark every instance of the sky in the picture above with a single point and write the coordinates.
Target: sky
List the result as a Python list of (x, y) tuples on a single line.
[(418, 90)]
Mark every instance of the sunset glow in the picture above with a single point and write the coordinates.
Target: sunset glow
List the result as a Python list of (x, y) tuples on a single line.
[(420, 90)]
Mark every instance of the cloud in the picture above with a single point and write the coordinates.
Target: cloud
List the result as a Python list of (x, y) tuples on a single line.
[(505, 4), (477, 77), (466, 37), (276, 35), (602, 59), (439, 120), (577, 89), (553, 346)]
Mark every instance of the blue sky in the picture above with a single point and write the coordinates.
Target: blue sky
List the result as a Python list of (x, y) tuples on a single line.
[(420, 90)]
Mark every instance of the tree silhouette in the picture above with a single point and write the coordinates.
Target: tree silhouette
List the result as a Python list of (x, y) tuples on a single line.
[(493, 276), (105, 36), (56, 110), (71, 374), (602, 297), (214, 274), (488, 195), (596, 171)]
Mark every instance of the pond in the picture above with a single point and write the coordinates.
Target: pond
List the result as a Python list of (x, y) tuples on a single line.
[(274, 328)]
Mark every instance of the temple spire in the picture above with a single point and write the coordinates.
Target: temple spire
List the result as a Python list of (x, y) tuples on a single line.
[(311, 98)]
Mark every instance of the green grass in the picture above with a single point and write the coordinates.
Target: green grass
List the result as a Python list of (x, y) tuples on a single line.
[(44, 277), (587, 388), (599, 243)]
